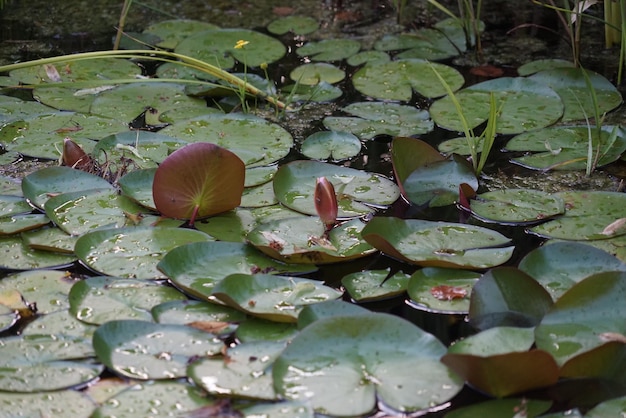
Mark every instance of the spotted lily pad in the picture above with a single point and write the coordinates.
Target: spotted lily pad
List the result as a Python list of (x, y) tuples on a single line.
[(329, 49), (303, 240), (517, 206), (217, 47), (438, 244), (381, 118), (15, 224), (369, 358), (523, 105), (443, 290), (277, 298), (132, 252), (145, 350), (97, 300), (430, 44), (396, 80), (315, 73), (357, 191), (171, 32), (65, 403), (567, 147), (185, 265), (17, 255), (299, 25), (375, 284), (331, 144), (590, 215), (46, 289)]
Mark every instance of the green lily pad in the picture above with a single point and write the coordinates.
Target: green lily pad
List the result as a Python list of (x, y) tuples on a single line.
[(245, 135), (608, 408), (104, 68), (40, 185), (15, 109), (498, 361), (408, 154), (230, 226), (13, 205), (171, 32), (298, 25), (396, 80), (145, 350), (97, 300), (589, 215), (506, 296), (380, 118), (375, 284), (258, 196), (71, 99), (42, 136), (80, 212), (185, 265), (589, 309), (429, 44), (504, 407), (533, 67), (146, 149), (51, 239), (443, 290), (60, 323), (438, 244), (571, 85), (155, 398), (279, 410), (244, 372), (558, 266), (329, 309), (321, 92), (329, 49), (256, 176), (128, 101), (258, 330), (217, 47), (369, 358), (186, 312), (523, 105), (46, 289), (368, 57), (331, 145), (437, 183), (44, 362), (357, 191), (62, 403), (19, 256), (314, 73), (303, 240), (10, 186), (10, 225), (567, 147), (514, 206), (272, 297), (132, 252), (137, 185)]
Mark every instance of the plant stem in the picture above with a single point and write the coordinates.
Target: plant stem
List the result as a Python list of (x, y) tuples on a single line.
[(121, 23)]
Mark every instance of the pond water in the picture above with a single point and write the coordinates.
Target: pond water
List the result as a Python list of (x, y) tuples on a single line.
[(514, 36)]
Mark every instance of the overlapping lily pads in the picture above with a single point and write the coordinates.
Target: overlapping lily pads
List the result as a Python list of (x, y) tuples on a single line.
[(438, 244), (517, 206)]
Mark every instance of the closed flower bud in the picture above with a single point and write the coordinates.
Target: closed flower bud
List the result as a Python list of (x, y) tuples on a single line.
[(326, 202)]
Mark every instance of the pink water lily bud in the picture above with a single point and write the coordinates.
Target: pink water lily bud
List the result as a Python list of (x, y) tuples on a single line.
[(326, 202), (73, 155)]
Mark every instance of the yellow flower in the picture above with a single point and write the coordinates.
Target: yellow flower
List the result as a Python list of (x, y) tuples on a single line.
[(263, 66), (241, 43)]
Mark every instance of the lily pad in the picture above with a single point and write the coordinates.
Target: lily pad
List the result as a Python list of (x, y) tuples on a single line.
[(195, 312), (17, 255), (198, 180), (590, 215), (430, 44), (171, 32), (247, 136), (10, 225), (358, 192), (185, 265), (579, 318), (558, 266), (331, 145), (515, 206), (44, 362), (437, 183), (442, 290), (145, 350), (523, 105), (40, 185), (62, 403), (438, 244), (506, 296), (104, 68), (132, 252), (533, 67), (369, 358), (380, 118), (244, 372), (498, 361), (272, 297), (567, 147), (299, 25), (303, 240), (13, 205), (408, 154), (97, 300), (137, 185), (217, 47), (571, 85), (42, 136), (45, 289), (329, 49), (375, 284), (396, 80), (314, 73)]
